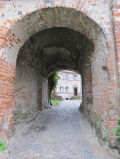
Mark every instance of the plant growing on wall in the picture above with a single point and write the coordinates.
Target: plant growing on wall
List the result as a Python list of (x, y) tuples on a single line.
[(117, 130), (3, 146), (52, 83)]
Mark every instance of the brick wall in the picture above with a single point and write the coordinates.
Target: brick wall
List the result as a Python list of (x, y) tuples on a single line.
[(93, 12), (116, 20), (7, 39), (116, 31), (7, 74)]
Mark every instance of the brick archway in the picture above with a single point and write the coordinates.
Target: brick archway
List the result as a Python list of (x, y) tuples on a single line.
[(97, 72)]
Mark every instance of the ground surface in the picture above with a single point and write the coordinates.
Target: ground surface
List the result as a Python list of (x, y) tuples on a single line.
[(57, 133)]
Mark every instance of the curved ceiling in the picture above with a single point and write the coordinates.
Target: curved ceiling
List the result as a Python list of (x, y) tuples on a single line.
[(57, 48)]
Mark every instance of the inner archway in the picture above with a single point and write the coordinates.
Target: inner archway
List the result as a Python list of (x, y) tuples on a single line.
[(49, 50), (43, 53)]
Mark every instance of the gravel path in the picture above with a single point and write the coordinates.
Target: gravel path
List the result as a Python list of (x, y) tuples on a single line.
[(57, 133)]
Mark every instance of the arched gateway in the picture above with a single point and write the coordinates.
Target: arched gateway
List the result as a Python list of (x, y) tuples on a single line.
[(57, 38)]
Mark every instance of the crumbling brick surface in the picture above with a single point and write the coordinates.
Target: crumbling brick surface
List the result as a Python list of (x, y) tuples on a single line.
[(98, 21)]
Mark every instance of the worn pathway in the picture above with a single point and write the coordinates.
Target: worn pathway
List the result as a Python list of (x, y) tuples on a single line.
[(57, 133)]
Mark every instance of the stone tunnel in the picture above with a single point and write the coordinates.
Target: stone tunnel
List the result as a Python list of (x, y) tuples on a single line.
[(54, 38)]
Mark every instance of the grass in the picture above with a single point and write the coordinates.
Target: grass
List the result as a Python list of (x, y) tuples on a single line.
[(55, 102), (3, 146)]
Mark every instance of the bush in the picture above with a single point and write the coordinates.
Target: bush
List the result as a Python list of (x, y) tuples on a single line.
[(55, 102)]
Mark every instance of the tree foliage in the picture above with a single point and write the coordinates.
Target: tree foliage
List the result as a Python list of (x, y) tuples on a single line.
[(52, 83)]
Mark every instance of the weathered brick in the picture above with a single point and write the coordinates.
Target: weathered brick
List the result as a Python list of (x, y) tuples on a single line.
[(100, 82)]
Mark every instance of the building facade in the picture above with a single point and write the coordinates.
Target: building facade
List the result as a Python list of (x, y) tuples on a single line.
[(69, 84)]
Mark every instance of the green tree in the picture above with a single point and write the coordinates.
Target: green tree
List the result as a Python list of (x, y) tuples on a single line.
[(52, 83)]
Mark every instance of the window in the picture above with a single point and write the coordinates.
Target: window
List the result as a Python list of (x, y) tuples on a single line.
[(75, 77), (61, 89), (67, 89), (62, 76), (66, 76)]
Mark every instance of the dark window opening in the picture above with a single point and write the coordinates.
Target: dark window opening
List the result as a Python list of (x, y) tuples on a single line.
[(75, 91)]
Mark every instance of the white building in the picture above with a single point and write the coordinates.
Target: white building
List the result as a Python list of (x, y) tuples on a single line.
[(69, 84)]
